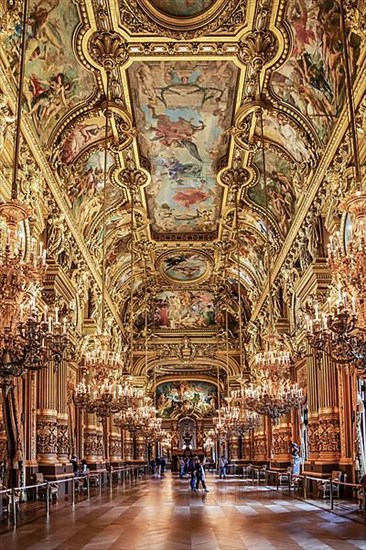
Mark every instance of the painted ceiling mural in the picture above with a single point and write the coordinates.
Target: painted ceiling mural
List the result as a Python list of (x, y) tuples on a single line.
[(280, 198), (183, 111), (55, 80), (182, 8), (184, 266), (182, 92), (193, 309), (313, 80), (187, 397)]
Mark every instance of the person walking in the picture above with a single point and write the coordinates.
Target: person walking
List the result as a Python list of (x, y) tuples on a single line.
[(162, 465), (222, 467), (200, 476), (182, 465), (157, 466)]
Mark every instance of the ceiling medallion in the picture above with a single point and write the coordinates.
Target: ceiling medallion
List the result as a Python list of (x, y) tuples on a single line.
[(185, 266), (182, 19), (183, 14)]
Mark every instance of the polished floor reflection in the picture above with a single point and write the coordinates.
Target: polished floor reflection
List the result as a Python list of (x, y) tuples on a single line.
[(163, 514)]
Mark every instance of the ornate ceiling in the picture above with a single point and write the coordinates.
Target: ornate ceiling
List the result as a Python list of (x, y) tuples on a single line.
[(188, 81)]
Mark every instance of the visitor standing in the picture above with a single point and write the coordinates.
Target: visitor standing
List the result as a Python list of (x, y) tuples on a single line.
[(222, 467)]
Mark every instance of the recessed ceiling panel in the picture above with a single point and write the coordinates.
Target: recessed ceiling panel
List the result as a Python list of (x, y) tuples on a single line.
[(182, 8), (183, 111), (184, 266)]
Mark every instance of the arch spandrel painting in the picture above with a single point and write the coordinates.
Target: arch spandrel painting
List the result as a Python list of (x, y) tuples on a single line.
[(191, 309), (182, 8), (281, 194), (54, 80), (186, 397), (312, 79), (183, 111)]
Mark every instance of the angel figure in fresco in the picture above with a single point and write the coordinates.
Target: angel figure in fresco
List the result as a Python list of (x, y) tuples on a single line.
[(49, 98), (177, 133), (42, 31), (81, 135)]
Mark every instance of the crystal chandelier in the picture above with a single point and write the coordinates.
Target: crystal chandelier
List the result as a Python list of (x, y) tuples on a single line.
[(347, 263), (272, 394), (220, 427), (137, 419), (108, 391), (337, 333), (243, 419)]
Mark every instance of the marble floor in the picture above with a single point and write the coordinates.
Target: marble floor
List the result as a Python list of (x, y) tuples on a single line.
[(163, 514)]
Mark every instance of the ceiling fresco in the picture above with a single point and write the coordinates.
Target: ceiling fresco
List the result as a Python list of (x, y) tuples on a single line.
[(184, 266), (186, 309), (183, 111), (188, 397), (55, 80), (182, 8), (184, 142), (278, 196), (312, 80)]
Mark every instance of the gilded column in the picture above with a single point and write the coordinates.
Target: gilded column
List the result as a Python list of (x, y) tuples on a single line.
[(90, 439), (347, 396), (260, 444), (281, 442), (247, 446), (128, 446), (313, 415), (328, 435), (115, 443), (63, 450), (234, 448), (30, 422), (47, 418)]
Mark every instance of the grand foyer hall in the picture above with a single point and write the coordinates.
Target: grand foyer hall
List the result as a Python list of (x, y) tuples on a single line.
[(182, 273), (164, 514)]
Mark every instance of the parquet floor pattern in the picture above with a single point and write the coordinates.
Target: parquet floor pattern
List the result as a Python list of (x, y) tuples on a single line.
[(163, 514)]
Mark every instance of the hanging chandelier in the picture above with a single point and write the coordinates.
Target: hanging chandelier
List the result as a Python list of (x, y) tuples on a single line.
[(347, 260), (337, 334), (272, 394)]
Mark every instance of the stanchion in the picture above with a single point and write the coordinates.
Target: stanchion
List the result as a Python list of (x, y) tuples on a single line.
[(289, 484), (14, 507), (277, 481), (48, 494), (88, 485), (331, 494), (100, 482), (73, 492), (305, 488)]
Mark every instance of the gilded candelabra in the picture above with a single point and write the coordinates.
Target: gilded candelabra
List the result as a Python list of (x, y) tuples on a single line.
[(337, 333), (272, 393)]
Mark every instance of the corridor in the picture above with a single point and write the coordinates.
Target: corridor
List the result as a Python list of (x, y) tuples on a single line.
[(163, 514)]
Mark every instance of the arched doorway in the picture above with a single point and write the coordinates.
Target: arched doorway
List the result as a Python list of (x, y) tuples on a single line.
[(187, 430)]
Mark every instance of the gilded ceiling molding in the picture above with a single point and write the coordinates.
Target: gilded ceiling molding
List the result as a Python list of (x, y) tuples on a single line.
[(55, 186), (108, 50), (318, 182), (139, 17)]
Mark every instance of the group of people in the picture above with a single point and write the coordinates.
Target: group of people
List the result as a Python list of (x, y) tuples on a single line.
[(157, 466), (196, 470), (78, 469)]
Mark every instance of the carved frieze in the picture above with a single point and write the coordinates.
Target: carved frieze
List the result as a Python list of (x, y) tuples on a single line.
[(46, 437)]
